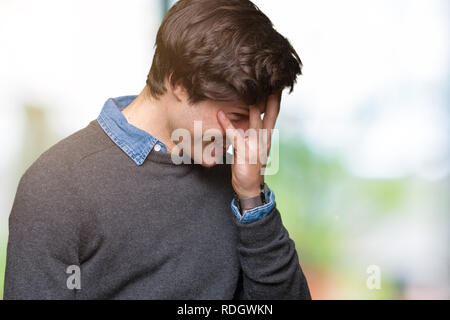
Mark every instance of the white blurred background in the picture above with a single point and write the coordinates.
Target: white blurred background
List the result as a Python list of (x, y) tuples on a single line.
[(366, 129)]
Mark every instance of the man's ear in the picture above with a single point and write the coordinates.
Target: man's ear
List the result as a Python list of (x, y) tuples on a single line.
[(178, 90)]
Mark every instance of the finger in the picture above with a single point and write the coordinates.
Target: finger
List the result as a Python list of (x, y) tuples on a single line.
[(230, 129), (272, 111), (255, 118)]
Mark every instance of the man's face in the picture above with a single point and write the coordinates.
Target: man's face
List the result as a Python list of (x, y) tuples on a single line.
[(184, 117)]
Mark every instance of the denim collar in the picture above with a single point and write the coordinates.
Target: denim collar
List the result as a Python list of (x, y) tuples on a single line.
[(135, 142)]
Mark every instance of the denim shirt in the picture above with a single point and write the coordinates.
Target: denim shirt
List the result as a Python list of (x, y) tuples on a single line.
[(137, 144)]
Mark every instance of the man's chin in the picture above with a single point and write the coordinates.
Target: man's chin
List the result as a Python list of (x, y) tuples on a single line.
[(216, 157), (208, 165), (211, 161)]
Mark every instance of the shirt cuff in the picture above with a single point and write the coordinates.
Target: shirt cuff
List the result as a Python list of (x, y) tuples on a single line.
[(257, 213)]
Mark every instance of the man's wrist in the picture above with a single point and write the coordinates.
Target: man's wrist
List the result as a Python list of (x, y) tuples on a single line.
[(248, 194), (248, 203)]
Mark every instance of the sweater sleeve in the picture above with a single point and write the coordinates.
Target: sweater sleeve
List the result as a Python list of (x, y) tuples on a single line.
[(269, 261), (43, 238)]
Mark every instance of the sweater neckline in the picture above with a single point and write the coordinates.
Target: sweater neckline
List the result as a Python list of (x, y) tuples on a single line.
[(162, 157), (166, 158)]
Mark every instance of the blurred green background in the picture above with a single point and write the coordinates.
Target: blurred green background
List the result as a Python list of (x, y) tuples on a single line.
[(364, 138)]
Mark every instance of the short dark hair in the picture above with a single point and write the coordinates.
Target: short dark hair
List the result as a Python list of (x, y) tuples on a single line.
[(222, 50)]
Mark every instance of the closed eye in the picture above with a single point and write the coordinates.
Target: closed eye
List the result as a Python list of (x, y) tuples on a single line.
[(238, 116)]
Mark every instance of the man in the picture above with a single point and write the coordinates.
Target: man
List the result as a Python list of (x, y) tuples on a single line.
[(107, 213)]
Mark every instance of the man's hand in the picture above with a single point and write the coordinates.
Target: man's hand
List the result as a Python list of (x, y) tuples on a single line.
[(251, 152)]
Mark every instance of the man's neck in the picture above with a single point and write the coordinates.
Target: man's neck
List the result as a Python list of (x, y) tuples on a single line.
[(150, 115)]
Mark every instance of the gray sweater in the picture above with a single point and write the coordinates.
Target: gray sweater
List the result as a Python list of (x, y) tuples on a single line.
[(155, 231)]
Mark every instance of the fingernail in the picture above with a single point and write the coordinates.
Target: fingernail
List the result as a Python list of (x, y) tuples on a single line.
[(222, 115)]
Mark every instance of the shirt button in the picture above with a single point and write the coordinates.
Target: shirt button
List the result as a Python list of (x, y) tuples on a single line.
[(157, 147)]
